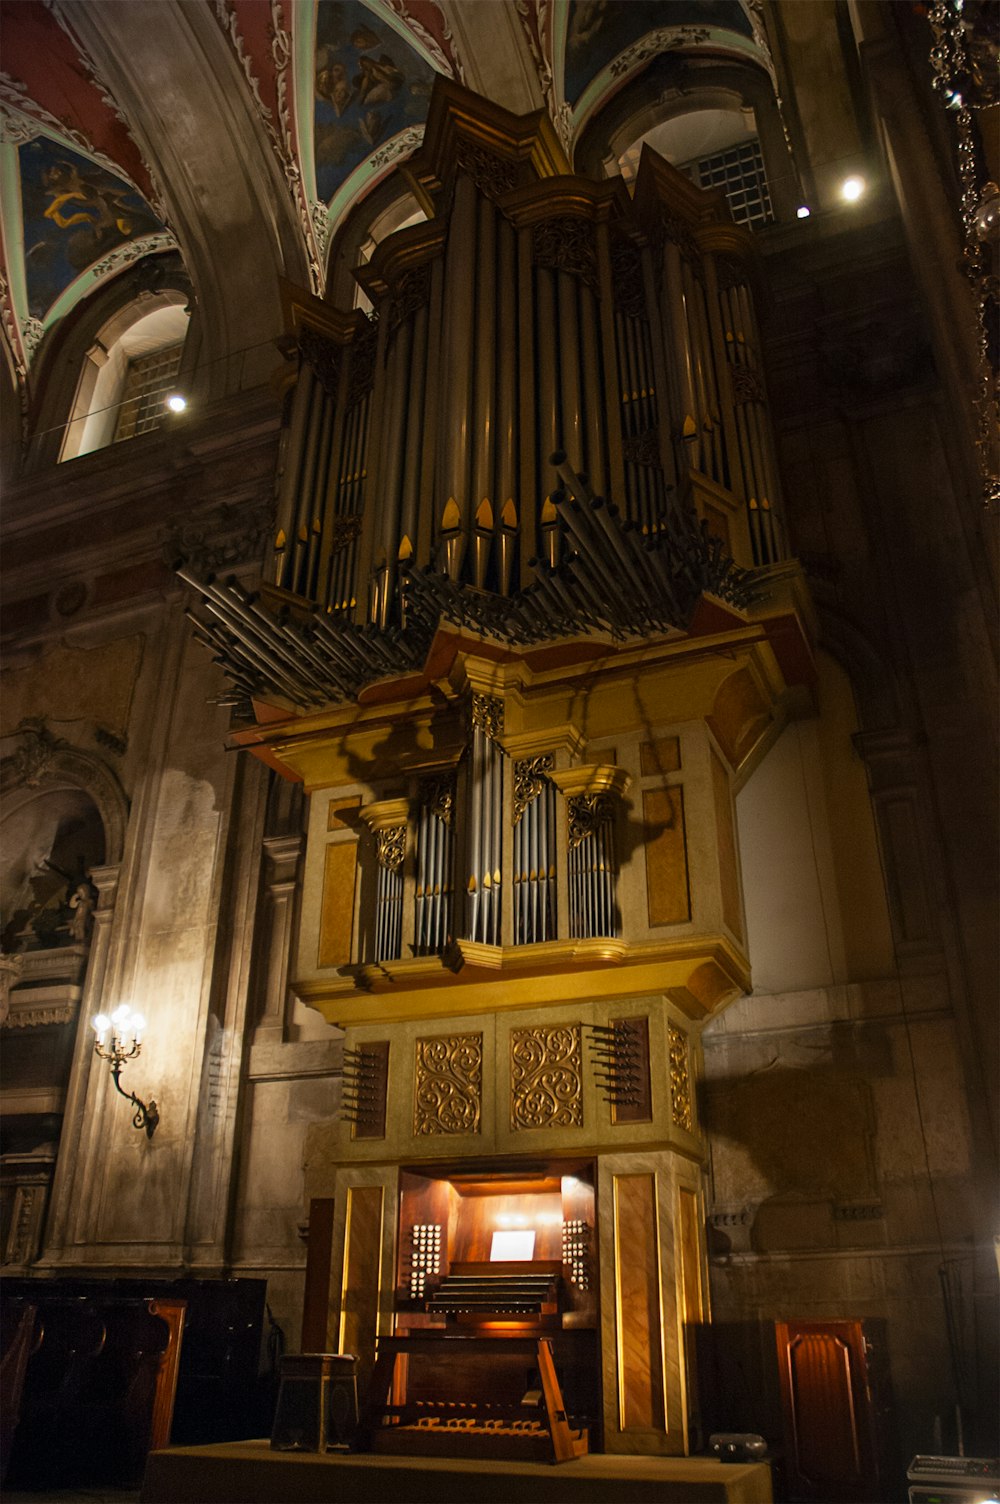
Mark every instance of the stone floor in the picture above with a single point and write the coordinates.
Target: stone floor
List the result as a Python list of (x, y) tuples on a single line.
[(73, 1496)]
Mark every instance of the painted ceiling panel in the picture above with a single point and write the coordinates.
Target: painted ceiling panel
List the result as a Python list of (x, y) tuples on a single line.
[(370, 84), (600, 30), (73, 213), (46, 76)]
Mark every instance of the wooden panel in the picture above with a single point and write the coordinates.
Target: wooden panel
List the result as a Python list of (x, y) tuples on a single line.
[(691, 1294), (336, 922), (729, 872), (827, 1410), (335, 809), (316, 1304), (362, 1277), (641, 1401), (668, 897), (660, 756)]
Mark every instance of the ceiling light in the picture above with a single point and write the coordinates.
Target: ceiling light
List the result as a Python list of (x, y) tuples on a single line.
[(802, 212), (851, 189), (176, 402)]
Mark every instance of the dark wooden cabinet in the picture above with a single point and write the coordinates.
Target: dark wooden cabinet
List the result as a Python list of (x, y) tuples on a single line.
[(834, 1410)]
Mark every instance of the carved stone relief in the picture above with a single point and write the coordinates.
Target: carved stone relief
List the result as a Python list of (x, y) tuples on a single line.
[(448, 1084), (546, 1080)]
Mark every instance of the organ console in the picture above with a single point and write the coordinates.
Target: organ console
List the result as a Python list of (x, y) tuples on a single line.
[(490, 1355)]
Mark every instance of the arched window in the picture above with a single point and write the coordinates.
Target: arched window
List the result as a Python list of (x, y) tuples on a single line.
[(388, 208), (127, 374), (716, 148)]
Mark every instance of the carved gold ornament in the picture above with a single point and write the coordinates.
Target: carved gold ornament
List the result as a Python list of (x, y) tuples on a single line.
[(586, 812), (438, 796), (680, 1084), (449, 1084), (546, 1082), (390, 845), (529, 780), (487, 715)]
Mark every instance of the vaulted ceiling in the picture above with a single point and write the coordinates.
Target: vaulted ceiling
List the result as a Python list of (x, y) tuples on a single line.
[(239, 133)]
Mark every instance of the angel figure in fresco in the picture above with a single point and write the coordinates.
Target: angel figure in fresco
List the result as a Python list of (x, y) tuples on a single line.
[(364, 39), (332, 83), (103, 207), (97, 212), (379, 80)]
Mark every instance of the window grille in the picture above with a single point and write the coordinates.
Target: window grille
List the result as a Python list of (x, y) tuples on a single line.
[(147, 382), (739, 171)]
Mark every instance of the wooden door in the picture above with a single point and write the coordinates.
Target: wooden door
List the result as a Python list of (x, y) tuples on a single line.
[(828, 1411)]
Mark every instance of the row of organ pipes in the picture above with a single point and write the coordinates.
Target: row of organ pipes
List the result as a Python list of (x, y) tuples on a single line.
[(532, 830), (622, 333)]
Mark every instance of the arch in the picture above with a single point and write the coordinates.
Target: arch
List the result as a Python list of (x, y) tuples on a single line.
[(41, 762), (69, 361), (155, 322), (675, 85), (387, 208)]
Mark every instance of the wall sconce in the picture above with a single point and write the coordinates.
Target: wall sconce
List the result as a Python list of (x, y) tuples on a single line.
[(126, 1043)]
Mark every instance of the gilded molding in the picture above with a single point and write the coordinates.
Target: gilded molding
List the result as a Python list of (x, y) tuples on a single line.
[(680, 1083), (546, 1077), (529, 780), (448, 1084)]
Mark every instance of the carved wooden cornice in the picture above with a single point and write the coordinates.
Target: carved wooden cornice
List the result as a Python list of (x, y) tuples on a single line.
[(459, 120)]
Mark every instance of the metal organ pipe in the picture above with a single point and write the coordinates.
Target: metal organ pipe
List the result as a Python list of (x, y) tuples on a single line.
[(290, 475), (677, 335), (569, 365), (483, 435), (547, 400), (414, 427), (506, 427), (456, 396), (594, 400)]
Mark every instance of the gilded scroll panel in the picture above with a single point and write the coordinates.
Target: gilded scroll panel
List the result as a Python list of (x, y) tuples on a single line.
[(448, 1084), (641, 1395), (668, 895), (546, 1077), (336, 924), (680, 1079)]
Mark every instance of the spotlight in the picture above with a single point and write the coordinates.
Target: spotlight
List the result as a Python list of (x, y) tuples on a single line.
[(176, 402), (803, 211), (851, 189)]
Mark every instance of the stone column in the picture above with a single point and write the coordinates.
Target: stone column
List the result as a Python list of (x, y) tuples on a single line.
[(58, 1232), (281, 857)]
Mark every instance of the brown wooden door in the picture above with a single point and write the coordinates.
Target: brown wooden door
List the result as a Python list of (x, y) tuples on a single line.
[(828, 1411)]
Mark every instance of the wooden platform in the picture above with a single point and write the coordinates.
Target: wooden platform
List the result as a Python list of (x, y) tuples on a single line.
[(248, 1472)]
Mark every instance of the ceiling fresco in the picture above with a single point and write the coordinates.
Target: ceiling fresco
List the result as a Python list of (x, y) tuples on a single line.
[(76, 198), (599, 31), (341, 89), (74, 213), (369, 85)]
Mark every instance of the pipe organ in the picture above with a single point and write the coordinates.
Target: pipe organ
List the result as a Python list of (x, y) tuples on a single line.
[(526, 625)]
